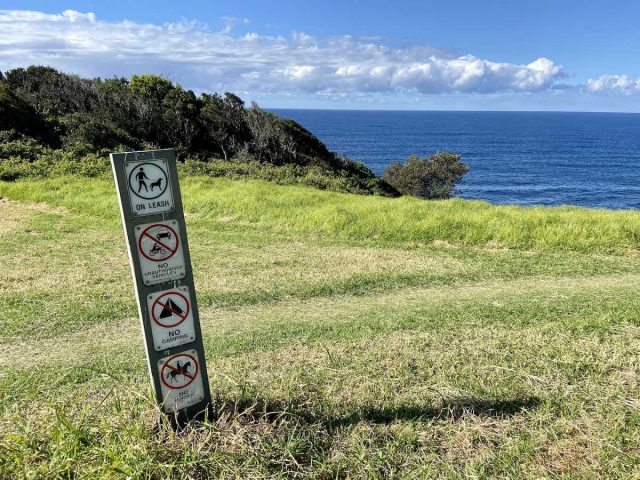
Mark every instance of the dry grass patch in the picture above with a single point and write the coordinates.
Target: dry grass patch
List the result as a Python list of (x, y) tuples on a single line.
[(313, 320), (16, 216), (238, 268)]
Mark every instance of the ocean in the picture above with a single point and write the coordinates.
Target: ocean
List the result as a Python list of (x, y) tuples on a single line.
[(526, 158)]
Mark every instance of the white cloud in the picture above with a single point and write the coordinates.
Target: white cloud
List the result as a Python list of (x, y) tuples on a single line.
[(204, 59), (614, 84)]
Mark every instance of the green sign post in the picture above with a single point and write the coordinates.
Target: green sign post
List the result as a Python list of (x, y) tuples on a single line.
[(156, 236)]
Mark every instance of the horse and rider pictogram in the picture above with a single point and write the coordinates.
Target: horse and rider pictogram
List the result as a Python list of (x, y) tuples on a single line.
[(179, 371)]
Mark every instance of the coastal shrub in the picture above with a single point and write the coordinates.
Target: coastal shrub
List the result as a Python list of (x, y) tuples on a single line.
[(95, 116), (287, 174), (432, 178), (17, 114), (53, 163), (88, 115), (28, 159), (86, 133), (14, 145)]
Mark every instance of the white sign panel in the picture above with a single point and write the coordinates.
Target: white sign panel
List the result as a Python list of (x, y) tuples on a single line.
[(171, 318), (181, 380), (160, 252), (148, 185)]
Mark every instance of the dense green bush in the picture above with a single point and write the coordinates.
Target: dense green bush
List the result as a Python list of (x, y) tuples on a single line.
[(51, 163), (93, 114), (85, 134), (28, 159), (18, 115), (312, 175), (87, 117), (53, 123), (26, 148), (434, 177)]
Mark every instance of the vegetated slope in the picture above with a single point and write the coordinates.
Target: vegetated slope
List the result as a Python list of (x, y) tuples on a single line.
[(340, 349), (41, 107), (380, 220)]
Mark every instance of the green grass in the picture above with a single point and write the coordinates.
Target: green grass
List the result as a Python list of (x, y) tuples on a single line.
[(346, 337), (352, 218)]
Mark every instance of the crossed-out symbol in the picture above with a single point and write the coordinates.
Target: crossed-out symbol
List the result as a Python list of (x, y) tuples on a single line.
[(158, 253), (165, 308), (169, 373)]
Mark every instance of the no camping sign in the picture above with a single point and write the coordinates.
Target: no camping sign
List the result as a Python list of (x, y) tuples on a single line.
[(171, 318)]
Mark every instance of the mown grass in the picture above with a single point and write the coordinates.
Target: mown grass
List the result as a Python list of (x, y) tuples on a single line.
[(346, 336)]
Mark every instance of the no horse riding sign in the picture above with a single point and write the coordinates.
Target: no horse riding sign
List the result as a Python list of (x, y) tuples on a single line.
[(153, 218)]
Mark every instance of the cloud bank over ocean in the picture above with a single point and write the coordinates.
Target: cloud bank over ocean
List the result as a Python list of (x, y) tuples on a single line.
[(205, 59)]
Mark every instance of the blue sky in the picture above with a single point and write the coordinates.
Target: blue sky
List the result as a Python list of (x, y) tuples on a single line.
[(476, 55)]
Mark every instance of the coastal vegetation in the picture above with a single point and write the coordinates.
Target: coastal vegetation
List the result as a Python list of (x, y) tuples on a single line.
[(433, 178), (347, 336), (52, 123)]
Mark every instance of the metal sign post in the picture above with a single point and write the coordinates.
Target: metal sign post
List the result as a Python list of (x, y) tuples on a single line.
[(153, 218)]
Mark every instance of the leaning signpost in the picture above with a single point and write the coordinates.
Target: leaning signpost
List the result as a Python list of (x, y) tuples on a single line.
[(153, 218)]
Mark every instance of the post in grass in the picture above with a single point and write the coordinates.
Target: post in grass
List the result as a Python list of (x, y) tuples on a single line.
[(156, 237)]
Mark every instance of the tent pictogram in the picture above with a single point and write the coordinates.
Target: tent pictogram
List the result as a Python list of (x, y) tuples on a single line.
[(170, 309)]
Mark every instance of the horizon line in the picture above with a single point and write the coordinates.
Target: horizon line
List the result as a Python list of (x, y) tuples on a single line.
[(449, 111)]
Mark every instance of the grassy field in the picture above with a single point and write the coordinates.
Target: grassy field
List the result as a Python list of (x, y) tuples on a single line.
[(346, 337)]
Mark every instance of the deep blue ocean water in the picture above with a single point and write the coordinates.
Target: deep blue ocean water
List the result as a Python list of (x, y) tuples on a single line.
[(527, 158)]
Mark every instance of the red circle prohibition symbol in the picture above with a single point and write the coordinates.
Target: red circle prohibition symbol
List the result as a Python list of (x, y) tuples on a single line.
[(146, 233), (174, 372), (166, 305)]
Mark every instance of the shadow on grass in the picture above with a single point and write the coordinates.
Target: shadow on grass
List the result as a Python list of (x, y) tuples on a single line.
[(295, 437), (450, 409)]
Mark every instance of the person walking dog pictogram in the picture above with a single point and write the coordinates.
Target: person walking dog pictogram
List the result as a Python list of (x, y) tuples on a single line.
[(141, 177)]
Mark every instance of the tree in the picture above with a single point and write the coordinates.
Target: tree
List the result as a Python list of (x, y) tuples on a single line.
[(180, 110), (223, 121), (148, 93), (49, 92), (263, 129), (83, 115), (271, 137), (18, 115), (118, 103), (434, 177), (151, 87), (86, 133)]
